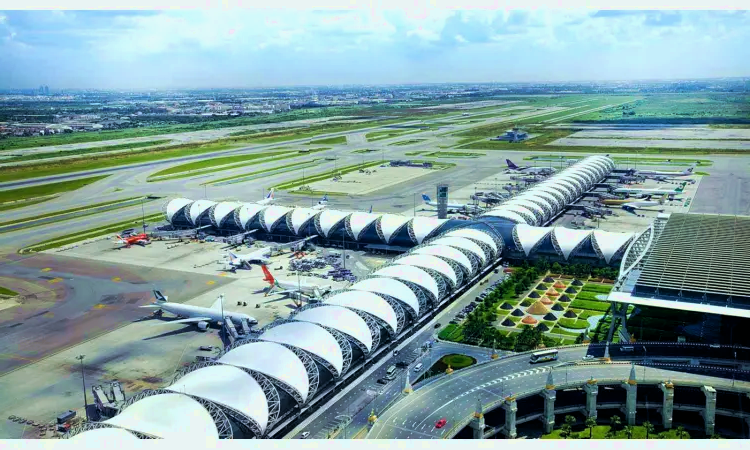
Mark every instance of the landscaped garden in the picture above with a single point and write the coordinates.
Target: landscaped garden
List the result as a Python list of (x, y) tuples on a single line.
[(615, 430)]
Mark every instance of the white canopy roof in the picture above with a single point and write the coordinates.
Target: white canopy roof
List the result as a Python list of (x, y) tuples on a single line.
[(228, 386), (273, 360), (572, 183), (429, 262), (538, 211), (609, 243), (390, 224), (423, 226), (413, 275), (528, 216), (175, 205), (568, 239), (477, 235), (546, 204), (308, 337), (391, 287), (448, 252), (199, 207), (366, 302), (222, 210), (529, 236), (339, 319), (463, 244), (112, 436), (358, 221), (168, 416), (272, 214), (329, 219), (566, 189), (550, 192), (300, 216), (510, 215), (248, 212)]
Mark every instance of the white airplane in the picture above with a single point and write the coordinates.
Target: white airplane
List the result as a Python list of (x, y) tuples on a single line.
[(643, 204), (651, 173), (294, 287), (269, 200), (452, 207), (529, 170), (322, 204), (198, 315), (631, 190), (263, 255)]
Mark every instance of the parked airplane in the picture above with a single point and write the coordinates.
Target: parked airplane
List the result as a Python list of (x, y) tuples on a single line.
[(291, 287), (643, 204), (322, 204), (529, 169), (651, 173), (263, 255), (140, 239), (633, 190), (452, 207), (269, 200), (202, 317)]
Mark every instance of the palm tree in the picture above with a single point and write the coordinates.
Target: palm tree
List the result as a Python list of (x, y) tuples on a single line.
[(649, 428), (614, 422), (628, 432), (590, 424), (680, 432)]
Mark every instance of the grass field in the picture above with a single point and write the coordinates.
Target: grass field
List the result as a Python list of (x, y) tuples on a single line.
[(84, 151), (573, 324), (619, 159), (43, 190), (21, 204), (600, 432), (8, 292), (390, 133), (279, 169), (324, 175), (364, 150), (452, 154), (408, 142), (337, 140), (214, 162)]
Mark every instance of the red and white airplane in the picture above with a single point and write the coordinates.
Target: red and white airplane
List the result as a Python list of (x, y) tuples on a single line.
[(139, 239)]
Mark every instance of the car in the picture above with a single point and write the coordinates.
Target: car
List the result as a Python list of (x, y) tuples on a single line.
[(395, 353), (453, 322), (402, 364), (304, 435), (437, 325), (382, 381), (206, 348), (588, 357), (440, 423)]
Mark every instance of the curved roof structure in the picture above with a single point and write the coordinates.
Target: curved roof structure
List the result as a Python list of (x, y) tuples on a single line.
[(198, 208), (308, 337), (551, 193), (463, 244), (367, 302), (608, 243), (529, 236), (567, 240), (300, 216), (168, 416), (96, 436), (248, 212), (339, 319), (510, 215), (421, 227), (273, 360), (447, 252), (390, 224), (223, 211), (538, 211), (175, 205), (413, 275), (390, 287), (546, 205), (272, 215), (228, 386), (527, 215), (429, 262), (329, 218), (358, 221), (474, 234)]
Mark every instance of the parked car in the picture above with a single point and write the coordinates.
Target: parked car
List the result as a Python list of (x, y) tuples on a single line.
[(402, 364), (395, 353), (382, 381), (588, 357), (206, 348), (304, 435), (453, 322), (437, 325), (440, 423)]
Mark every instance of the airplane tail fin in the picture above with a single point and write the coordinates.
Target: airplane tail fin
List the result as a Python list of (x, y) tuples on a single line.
[(370, 211), (270, 194), (681, 188), (425, 198), (268, 277), (510, 164), (160, 298)]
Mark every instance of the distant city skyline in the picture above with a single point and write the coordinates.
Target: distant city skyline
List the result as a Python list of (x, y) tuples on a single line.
[(152, 50)]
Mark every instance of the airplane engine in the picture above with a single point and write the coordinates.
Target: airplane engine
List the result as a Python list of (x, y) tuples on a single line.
[(202, 325)]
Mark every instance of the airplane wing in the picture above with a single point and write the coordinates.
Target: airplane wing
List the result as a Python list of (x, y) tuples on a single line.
[(190, 320), (151, 306)]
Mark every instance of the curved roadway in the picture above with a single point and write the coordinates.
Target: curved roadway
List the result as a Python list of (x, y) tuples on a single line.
[(454, 397)]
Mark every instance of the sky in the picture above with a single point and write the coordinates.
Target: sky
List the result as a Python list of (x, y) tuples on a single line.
[(244, 48)]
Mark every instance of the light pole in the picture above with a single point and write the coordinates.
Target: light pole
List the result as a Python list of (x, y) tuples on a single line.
[(143, 217), (83, 383)]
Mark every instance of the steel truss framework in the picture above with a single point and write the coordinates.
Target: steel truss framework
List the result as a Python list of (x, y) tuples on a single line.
[(272, 395), (537, 244), (315, 357), (223, 426), (491, 254), (313, 376), (397, 308), (88, 426), (344, 344), (238, 221), (212, 216), (558, 248), (377, 320), (351, 232), (379, 229), (333, 228), (290, 225), (351, 338), (273, 225), (442, 283), (460, 270)]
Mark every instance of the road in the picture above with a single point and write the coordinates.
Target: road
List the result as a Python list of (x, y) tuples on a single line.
[(454, 397)]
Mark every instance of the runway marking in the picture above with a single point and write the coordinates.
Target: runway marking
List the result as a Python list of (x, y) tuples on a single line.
[(116, 279), (210, 282), (223, 274), (99, 306), (46, 269), (55, 280)]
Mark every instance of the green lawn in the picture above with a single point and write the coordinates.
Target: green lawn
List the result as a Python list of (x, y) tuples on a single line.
[(457, 361), (390, 133), (72, 210), (337, 140), (408, 142), (453, 155), (324, 175), (21, 204), (83, 151), (590, 305), (600, 432), (364, 150), (8, 292), (597, 288), (44, 190), (574, 324), (220, 161), (558, 330), (279, 169)]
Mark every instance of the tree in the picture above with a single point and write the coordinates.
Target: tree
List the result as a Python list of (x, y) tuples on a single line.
[(628, 432), (579, 338), (590, 424), (565, 431), (556, 268), (649, 427), (680, 432), (716, 436), (570, 420), (614, 422)]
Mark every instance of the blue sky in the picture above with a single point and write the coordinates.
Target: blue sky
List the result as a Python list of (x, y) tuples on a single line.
[(252, 47)]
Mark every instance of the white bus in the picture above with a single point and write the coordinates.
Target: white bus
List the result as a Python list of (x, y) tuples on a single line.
[(544, 356)]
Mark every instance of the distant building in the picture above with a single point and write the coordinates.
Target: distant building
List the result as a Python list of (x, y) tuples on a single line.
[(513, 135)]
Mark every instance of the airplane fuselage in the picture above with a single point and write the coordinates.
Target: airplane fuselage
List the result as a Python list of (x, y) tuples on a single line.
[(188, 311)]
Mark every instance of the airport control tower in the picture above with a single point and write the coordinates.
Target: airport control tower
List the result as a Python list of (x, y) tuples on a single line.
[(442, 200)]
